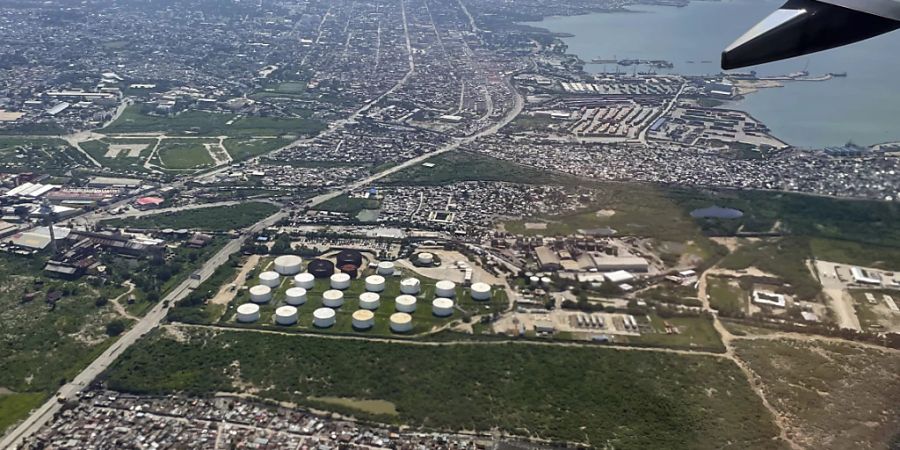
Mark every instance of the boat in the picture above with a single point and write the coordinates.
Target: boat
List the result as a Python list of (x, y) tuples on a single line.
[(838, 74)]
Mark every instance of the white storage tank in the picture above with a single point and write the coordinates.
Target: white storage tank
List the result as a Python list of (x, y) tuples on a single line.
[(288, 264), (340, 281), (369, 300), (405, 303), (270, 279), (248, 312), (410, 286), (481, 291), (401, 322), (385, 268), (260, 294), (445, 288), (363, 319), (534, 280), (305, 280), (323, 317), (295, 296), (286, 315), (425, 259), (333, 298), (374, 283), (545, 281), (442, 307)]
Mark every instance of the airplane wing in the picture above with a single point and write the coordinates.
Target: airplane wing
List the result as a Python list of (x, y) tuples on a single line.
[(801, 27)]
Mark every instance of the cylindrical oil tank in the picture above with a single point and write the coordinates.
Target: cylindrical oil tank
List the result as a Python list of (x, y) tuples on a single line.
[(340, 281), (350, 269), (286, 315), (295, 296), (349, 257), (405, 303), (445, 288), (270, 279), (248, 312), (374, 283), (305, 280), (363, 319), (545, 281), (323, 317), (534, 279), (288, 264), (401, 322), (442, 307), (425, 258), (320, 268), (260, 294), (333, 298), (369, 300), (410, 286), (385, 268), (481, 291)]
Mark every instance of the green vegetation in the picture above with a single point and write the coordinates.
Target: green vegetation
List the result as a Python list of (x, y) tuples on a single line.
[(783, 257), (288, 89), (136, 119), (45, 343), (215, 218), (636, 400), (243, 148), (669, 293), (848, 252), (694, 333), (122, 161), (185, 154), (833, 395), (726, 297), (458, 166), (46, 155), (350, 205), (373, 407), (15, 407)]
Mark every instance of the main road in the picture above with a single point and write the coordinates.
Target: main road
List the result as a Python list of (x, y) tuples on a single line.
[(154, 317)]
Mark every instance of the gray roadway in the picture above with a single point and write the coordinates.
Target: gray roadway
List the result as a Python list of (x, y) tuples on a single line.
[(154, 317)]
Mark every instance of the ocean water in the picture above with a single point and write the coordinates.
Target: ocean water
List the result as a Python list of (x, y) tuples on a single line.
[(863, 107)]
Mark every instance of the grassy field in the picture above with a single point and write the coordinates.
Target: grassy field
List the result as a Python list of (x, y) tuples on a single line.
[(695, 333), (185, 154), (15, 407), (833, 396), (634, 399), (288, 89), (216, 218), (136, 120), (346, 204), (243, 148), (726, 297), (122, 161), (458, 166), (782, 257)]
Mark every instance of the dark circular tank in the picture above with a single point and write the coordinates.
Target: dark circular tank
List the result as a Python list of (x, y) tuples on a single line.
[(350, 269), (345, 257), (320, 268)]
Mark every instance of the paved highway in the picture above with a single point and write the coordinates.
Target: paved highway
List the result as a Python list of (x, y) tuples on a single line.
[(153, 318), (42, 415)]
